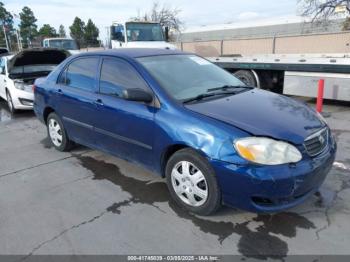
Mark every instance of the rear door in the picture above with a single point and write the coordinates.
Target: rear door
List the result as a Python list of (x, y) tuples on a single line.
[(76, 97), (124, 128)]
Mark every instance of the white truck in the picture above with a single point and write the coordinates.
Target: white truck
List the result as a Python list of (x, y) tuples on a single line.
[(135, 34), (62, 43), (293, 74)]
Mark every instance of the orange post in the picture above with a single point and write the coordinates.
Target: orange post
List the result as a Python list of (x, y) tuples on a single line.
[(319, 105)]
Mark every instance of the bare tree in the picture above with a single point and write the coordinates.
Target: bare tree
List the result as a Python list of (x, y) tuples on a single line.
[(320, 10), (165, 15)]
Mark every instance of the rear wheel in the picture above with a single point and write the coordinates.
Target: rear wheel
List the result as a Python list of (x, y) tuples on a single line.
[(246, 77), (10, 103), (57, 133), (192, 182)]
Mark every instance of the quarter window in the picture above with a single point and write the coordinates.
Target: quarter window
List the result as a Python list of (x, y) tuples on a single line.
[(81, 73), (117, 75)]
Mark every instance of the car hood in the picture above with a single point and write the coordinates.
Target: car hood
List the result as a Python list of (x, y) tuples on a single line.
[(38, 56), (263, 113)]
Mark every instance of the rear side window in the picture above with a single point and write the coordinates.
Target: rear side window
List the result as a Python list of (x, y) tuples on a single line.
[(117, 75), (81, 73)]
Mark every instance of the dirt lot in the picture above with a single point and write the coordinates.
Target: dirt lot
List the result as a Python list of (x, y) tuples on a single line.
[(87, 202)]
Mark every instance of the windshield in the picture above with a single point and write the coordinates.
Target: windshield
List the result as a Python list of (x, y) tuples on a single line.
[(144, 32), (187, 76), (66, 44)]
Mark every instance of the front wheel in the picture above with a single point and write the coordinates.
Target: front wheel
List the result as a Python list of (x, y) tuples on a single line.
[(192, 182), (57, 133), (10, 103)]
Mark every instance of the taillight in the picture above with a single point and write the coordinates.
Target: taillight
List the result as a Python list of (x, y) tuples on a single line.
[(33, 88)]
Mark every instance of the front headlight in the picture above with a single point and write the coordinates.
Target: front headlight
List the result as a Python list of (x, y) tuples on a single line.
[(267, 151), (19, 85)]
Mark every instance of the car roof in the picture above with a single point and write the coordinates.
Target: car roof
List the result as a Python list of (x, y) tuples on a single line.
[(135, 52)]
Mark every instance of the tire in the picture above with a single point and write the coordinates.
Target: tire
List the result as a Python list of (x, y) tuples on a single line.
[(57, 134), (246, 77), (10, 103), (184, 186)]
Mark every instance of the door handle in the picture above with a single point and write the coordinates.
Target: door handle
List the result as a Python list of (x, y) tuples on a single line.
[(98, 102), (59, 91)]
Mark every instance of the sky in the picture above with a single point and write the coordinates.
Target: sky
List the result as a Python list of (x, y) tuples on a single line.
[(194, 13)]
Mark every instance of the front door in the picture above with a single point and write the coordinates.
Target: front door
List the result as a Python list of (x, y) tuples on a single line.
[(124, 128)]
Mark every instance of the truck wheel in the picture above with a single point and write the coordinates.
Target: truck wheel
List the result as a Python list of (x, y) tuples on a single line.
[(192, 182), (57, 133), (246, 77)]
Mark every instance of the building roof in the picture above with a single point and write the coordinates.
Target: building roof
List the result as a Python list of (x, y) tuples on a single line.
[(262, 30)]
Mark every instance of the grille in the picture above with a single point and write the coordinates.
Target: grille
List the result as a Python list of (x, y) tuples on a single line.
[(317, 142)]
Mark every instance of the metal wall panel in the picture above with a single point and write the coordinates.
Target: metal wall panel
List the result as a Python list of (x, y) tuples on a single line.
[(248, 46), (210, 48), (324, 43), (302, 44)]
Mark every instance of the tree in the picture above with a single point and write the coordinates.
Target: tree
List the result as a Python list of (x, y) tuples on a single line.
[(47, 31), (91, 34), (324, 9), (77, 31), (165, 15), (27, 26), (6, 20), (62, 31)]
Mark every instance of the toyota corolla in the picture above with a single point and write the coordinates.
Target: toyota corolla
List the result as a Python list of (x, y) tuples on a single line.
[(216, 140)]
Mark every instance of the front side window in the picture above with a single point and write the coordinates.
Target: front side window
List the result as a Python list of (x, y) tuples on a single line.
[(187, 76), (118, 75), (81, 73), (117, 32)]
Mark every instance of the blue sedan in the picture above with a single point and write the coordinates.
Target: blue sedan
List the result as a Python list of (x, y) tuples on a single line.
[(216, 140)]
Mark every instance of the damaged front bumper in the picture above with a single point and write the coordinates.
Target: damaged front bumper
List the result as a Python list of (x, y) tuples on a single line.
[(273, 188)]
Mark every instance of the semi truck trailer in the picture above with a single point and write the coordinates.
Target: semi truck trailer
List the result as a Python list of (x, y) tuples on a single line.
[(292, 74)]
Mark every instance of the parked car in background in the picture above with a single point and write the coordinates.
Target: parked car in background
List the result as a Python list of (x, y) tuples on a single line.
[(215, 139), (18, 72), (62, 43)]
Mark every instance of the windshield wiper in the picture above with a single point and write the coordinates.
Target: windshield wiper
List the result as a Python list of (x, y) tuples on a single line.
[(225, 87), (206, 95)]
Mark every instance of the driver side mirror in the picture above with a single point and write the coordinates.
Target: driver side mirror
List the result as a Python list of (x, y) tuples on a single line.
[(138, 95)]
